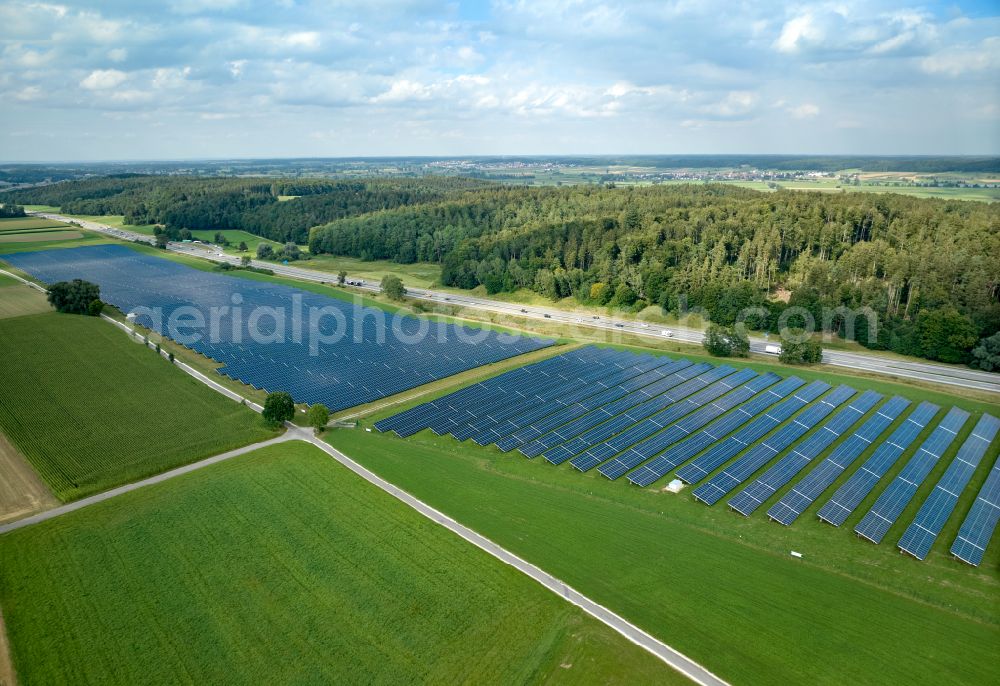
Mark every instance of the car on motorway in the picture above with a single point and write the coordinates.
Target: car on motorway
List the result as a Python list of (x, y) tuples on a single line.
[(620, 326), (645, 325), (524, 311), (547, 316), (667, 332)]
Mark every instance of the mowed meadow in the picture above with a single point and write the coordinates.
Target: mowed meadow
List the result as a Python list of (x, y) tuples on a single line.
[(281, 566), (91, 410), (720, 588)]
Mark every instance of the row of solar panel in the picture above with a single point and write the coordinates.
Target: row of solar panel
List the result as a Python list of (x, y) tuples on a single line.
[(273, 337), (645, 417)]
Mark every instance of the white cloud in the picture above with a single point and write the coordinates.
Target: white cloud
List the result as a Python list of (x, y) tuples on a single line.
[(131, 96), (29, 93), (806, 110), (957, 61), (796, 31), (103, 79), (309, 40), (535, 74), (403, 91), (735, 104), (170, 78)]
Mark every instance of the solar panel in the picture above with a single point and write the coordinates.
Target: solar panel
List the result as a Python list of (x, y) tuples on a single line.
[(649, 396), (482, 420), (860, 484), (702, 408), (644, 374), (713, 490), (802, 495), (498, 424), (925, 527), (513, 389), (897, 495), (422, 416), (753, 496), (640, 412), (717, 431), (977, 529), (725, 450), (275, 337), (441, 410), (598, 452)]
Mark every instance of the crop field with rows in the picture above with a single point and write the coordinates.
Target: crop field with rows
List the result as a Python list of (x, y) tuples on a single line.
[(92, 410), (281, 566)]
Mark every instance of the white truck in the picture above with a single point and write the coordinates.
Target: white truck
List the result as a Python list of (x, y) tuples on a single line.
[(772, 349)]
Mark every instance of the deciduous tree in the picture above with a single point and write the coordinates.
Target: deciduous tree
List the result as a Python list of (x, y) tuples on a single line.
[(278, 407)]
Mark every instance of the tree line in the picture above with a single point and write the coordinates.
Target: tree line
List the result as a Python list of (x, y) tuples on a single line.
[(250, 204), (928, 270)]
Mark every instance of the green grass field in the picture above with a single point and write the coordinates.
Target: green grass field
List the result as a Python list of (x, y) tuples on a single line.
[(92, 410), (419, 275), (17, 300), (234, 237), (283, 567), (719, 587), (44, 236), (43, 243), (28, 223), (117, 221)]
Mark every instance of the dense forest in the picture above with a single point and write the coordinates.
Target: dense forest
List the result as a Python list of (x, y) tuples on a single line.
[(250, 204), (928, 269)]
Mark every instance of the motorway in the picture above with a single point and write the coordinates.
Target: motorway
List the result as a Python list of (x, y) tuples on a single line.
[(859, 361)]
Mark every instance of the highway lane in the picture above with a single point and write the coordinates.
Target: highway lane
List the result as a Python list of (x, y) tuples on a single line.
[(868, 362)]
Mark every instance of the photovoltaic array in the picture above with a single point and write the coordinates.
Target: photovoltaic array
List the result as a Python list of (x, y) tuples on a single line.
[(320, 349), (756, 439)]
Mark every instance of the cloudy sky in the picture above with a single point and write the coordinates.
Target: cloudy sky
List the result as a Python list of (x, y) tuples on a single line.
[(141, 79)]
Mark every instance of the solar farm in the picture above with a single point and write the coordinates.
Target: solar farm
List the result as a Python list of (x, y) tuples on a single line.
[(266, 334), (733, 435)]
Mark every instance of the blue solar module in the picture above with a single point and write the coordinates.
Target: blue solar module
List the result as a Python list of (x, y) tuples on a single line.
[(712, 434), (725, 450), (977, 529), (644, 374), (620, 422), (708, 412), (802, 495), (861, 483), (643, 441), (484, 418), (753, 496), (925, 527), (458, 414), (713, 490), (421, 415), (569, 398), (600, 451), (897, 495), (318, 348), (679, 373), (439, 413)]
